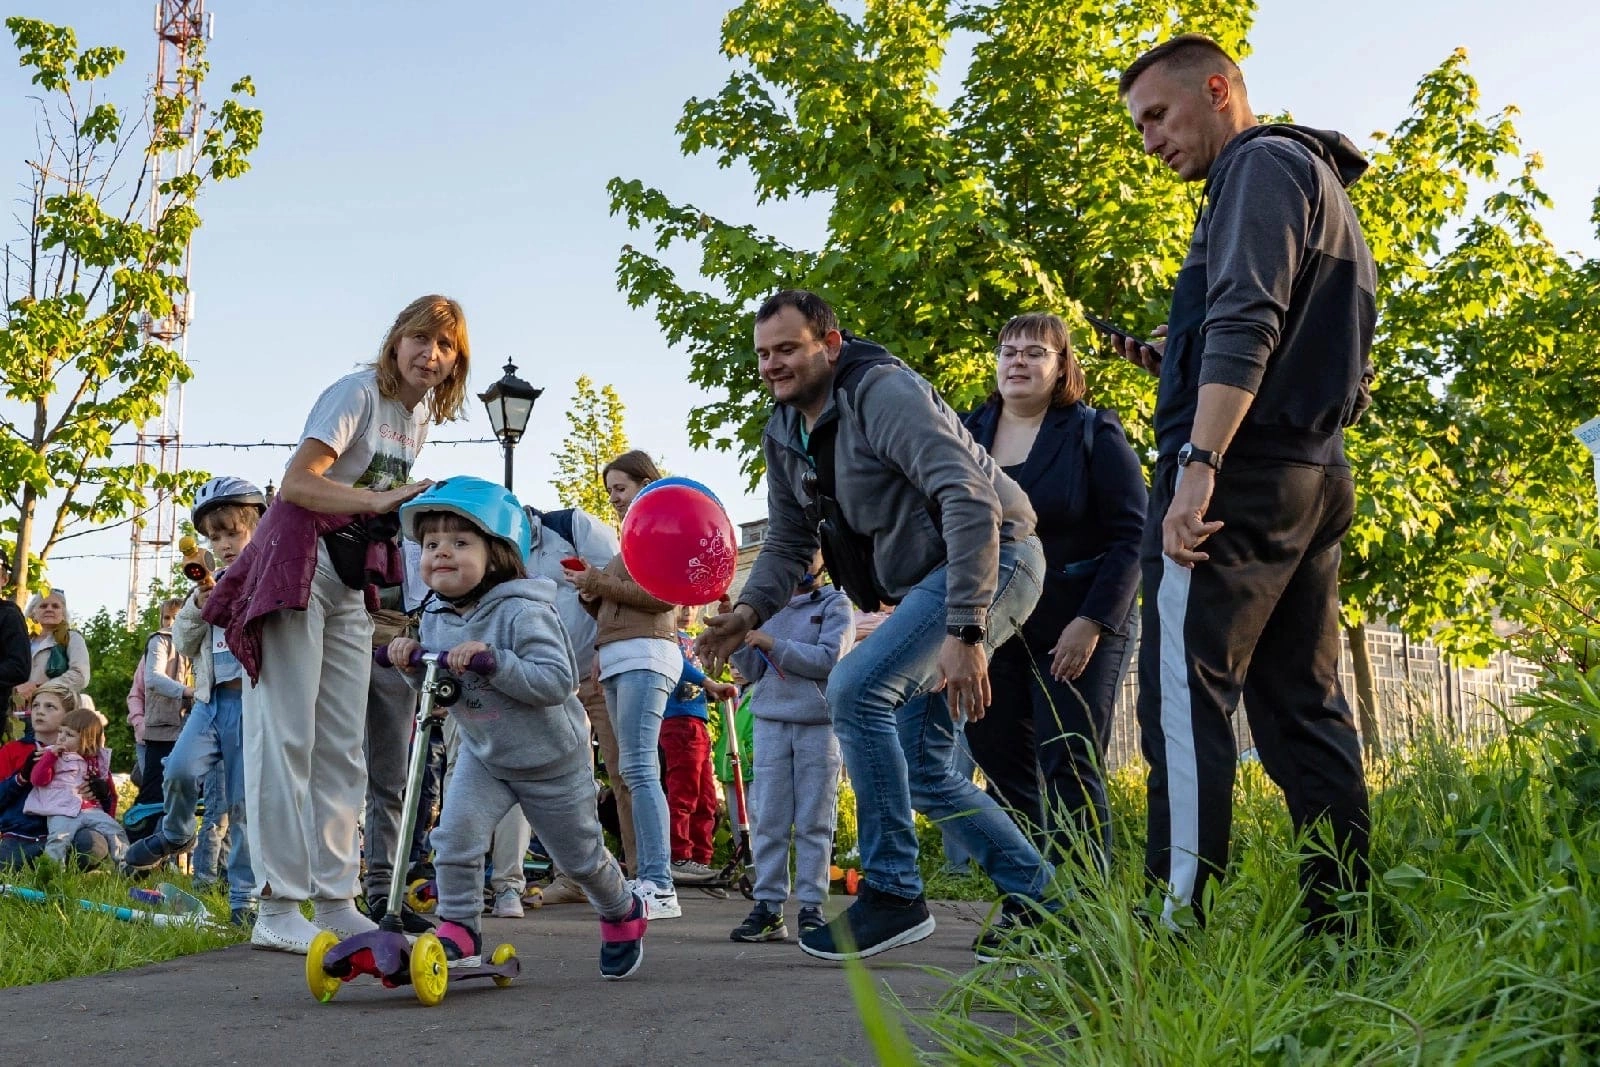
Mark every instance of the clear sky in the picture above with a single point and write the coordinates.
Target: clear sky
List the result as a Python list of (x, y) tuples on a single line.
[(414, 147)]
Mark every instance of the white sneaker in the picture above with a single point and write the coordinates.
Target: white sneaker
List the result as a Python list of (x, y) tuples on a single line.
[(660, 903), (341, 917), (286, 931), (507, 905)]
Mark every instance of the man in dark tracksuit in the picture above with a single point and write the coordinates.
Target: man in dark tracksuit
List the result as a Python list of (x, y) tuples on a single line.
[(1265, 362)]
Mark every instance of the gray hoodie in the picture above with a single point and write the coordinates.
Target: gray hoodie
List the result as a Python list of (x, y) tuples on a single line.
[(908, 477), (809, 635), (524, 718)]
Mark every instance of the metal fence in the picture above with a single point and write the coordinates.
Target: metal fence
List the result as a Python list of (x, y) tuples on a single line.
[(1416, 685)]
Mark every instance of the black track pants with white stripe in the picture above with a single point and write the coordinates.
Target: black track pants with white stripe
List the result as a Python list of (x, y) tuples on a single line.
[(1259, 619)]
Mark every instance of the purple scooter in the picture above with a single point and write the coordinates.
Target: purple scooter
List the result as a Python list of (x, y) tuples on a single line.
[(387, 953)]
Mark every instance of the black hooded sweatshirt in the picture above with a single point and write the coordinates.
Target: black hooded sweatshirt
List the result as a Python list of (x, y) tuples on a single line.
[(1275, 297)]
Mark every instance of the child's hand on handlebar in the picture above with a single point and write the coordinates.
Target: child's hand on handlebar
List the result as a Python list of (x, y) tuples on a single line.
[(401, 649), (460, 657)]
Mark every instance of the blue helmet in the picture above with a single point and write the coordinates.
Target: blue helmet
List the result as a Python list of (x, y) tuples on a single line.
[(491, 508)]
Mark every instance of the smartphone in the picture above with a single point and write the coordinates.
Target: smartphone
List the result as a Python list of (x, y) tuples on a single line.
[(1111, 332), (573, 563)]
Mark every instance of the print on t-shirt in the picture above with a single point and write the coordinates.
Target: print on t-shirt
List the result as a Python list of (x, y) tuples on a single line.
[(376, 439)]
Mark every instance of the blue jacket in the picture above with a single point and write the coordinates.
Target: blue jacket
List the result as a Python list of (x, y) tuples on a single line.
[(1090, 519)]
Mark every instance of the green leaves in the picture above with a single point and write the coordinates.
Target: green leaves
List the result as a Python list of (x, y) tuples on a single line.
[(77, 365), (595, 438)]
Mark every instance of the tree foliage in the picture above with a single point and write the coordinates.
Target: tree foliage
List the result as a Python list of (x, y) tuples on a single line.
[(84, 278), (596, 437), (1029, 190)]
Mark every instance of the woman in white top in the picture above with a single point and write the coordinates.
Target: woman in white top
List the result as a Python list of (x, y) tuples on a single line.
[(59, 652), (305, 718)]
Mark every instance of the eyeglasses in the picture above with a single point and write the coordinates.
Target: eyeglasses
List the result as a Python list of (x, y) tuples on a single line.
[(1030, 354)]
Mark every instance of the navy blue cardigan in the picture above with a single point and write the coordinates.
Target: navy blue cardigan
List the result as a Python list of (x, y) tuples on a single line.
[(1090, 525)]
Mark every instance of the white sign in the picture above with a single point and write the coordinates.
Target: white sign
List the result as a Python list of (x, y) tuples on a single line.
[(1589, 434)]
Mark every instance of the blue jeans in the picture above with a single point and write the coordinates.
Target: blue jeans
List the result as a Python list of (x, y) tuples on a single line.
[(898, 738), (212, 735), (637, 699), (215, 827)]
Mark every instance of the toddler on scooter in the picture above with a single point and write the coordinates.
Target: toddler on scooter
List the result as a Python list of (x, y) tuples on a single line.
[(524, 734)]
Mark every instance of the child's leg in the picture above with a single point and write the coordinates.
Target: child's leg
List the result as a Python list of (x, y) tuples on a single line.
[(227, 710), (60, 829), (561, 811), (474, 802), (214, 827), (816, 762), (772, 809), (703, 820), (106, 826), (683, 781), (193, 755), (510, 845)]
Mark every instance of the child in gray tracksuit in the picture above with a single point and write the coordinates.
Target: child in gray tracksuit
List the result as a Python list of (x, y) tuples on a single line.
[(796, 756), (524, 737)]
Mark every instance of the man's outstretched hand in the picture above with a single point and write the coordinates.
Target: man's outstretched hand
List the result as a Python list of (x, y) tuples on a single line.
[(723, 634)]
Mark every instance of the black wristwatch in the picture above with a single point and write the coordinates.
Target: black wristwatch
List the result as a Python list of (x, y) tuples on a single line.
[(1189, 454), (970, 634)]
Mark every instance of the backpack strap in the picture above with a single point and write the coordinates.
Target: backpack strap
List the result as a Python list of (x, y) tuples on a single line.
[(558, 522), (1089, 415)]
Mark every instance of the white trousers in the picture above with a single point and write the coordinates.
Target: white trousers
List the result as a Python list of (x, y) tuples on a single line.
[(304, 724)]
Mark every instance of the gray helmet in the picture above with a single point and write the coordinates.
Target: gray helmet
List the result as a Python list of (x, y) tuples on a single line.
[(225, 490)]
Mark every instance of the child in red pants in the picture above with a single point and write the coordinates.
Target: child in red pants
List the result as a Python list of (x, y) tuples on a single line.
[(686, 752)]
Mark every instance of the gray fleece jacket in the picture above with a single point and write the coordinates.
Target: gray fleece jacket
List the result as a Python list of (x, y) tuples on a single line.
[(908, 477), (524, 718), (809, 635)]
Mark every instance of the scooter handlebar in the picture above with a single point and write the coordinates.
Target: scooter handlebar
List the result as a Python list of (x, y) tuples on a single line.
[(481, 663)]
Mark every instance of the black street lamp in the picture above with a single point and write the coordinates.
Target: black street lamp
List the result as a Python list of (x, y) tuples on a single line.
[(510, 404)]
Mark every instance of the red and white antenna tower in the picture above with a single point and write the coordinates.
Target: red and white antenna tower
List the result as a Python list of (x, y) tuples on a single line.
[(180, 26)]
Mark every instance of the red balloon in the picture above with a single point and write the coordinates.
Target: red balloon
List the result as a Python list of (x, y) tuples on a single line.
[(679, 545)]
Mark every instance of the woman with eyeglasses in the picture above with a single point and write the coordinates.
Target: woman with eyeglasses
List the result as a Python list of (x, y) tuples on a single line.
[(1055, 683)]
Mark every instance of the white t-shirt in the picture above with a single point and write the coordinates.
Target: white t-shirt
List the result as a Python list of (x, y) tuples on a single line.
[(377, 440)]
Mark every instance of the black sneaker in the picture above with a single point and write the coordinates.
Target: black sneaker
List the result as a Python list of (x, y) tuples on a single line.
[(764, 923), (810, 919), (242, 917), (876, 922), (410, 921), (150, 852), (622, 942)]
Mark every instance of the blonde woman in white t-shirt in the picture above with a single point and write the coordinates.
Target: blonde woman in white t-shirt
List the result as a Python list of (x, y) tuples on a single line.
[(305, 718)]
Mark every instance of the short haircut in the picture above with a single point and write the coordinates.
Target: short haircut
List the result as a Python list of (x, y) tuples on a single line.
[(62, 692), (1186, 52), (229, 518), (504, 563), (1070, 383), (90, 730), (636, 464), (818, 315)]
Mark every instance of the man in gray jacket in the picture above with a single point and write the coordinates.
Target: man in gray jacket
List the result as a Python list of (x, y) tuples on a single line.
[(864, 456), (1266, 361)]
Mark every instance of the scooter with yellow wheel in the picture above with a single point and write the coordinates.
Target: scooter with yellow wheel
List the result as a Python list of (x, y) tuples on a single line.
[(386, 953)]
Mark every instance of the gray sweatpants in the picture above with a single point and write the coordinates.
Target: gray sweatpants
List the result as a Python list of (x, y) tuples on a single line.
[(796, 785), (391, 712), (63, 828), (561, 811)]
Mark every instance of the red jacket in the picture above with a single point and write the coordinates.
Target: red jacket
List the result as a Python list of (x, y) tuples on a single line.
[(274, 573)]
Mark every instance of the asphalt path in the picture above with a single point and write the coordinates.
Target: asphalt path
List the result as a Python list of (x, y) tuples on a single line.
[(699, 999)]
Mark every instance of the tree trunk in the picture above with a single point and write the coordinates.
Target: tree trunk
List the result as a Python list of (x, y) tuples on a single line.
[(1366, 691), (19, 561)]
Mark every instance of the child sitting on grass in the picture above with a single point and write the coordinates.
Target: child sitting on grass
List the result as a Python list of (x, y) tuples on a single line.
[(524, 734), (76, 759)]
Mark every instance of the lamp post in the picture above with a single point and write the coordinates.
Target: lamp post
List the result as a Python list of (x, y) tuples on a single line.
[(510, 403)]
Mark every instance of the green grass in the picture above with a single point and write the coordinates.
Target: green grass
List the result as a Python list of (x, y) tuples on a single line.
[(58, 939), (1478, 942)]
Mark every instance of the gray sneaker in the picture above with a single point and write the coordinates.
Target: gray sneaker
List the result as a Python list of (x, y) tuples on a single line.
[(688, 872)]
